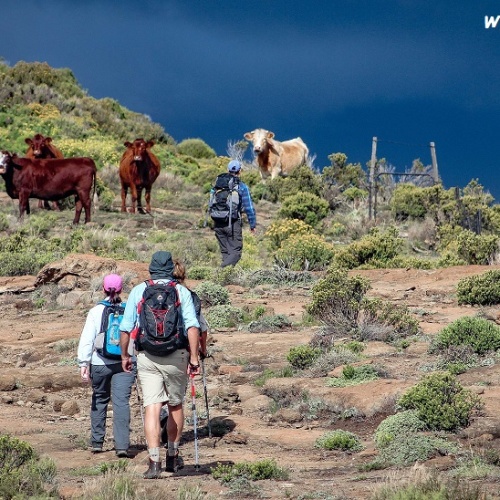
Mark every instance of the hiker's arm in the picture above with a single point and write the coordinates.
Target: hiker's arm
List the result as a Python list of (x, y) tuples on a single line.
[(126, 358), (203, 344), (194, 343)]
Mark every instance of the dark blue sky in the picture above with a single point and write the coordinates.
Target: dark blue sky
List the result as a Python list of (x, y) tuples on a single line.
[(334, 72)]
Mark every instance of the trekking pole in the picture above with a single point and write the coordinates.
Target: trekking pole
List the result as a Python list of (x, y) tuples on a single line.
[(206, 396), (193, 408)]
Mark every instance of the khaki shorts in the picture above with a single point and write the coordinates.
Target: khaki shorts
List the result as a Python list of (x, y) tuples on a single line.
[(163, 378)]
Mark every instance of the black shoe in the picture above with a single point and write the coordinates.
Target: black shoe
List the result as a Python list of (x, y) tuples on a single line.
[(154, 470), (174, 463), (122, 453), (96, 448)]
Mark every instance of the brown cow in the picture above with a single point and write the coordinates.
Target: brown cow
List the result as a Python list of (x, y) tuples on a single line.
[(276, 158), (41, 147), (139, 168), (49, 180)]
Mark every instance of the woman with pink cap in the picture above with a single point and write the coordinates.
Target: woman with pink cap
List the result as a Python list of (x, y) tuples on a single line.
[(109, 381)]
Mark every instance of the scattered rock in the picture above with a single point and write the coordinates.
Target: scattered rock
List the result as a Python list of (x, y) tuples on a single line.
[(70, 408), (7, 383)]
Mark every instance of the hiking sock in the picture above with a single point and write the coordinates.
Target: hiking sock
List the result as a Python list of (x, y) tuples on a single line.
[(172, 448), (154, 454)]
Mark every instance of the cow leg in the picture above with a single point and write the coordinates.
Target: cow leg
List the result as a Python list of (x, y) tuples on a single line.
[(40, 203), (78, 210), (124, 198), (133, 192), (55, 206), (86, 206), (147, 197), (24, 204), (139, 201)]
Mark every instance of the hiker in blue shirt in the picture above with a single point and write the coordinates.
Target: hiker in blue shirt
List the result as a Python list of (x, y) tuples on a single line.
[(230, 236), (162, 378)]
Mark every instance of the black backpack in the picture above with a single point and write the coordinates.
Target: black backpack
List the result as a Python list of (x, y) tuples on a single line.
[(112, 316), (161, 329), (224, 205)]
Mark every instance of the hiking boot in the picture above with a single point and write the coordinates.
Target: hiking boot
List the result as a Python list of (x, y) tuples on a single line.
[(174, 463), (96, 448), (154, 470), (122, 453)]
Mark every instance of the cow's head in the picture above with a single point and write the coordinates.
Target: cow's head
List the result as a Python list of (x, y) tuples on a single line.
[(38, 144), (260, 139), (5, 158), (138, 148)]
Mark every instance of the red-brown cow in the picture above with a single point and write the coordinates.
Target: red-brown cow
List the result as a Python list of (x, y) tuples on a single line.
[(49, 180), (41, 147), (139, 168)]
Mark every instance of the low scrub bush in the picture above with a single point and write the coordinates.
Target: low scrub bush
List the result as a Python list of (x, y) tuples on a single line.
[(196, 148), (272, 323), (441, 402), (339, 440), (224, 316), (336, 300), (480, 334), (396, 316), (430, 487), (330, 359), (302, 356), (254, 471), (278, 275), (375, 249), (483, 289), (23, 474), (394, 426), (354, 375), (212, 294), (304, 252), (304, 206), (279, 231)]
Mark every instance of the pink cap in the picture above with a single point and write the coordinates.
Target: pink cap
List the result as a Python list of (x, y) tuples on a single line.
[(112, 281)]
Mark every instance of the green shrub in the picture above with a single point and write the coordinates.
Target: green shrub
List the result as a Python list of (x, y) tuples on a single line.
[(256, 471), (22, 473), (212, 294), (472, 248), (200, 273), (197, 148), (375, 249), (303, 356), (408, 201), (411, 448), (279, 231), (480, 334), (304, 206), (304, 252), (339, 440), (431, 487), (352, 375), (268, 374), (483, 289), (395, 426), (441, 402), (336, 300), (396, 316), (272, 323), (224, 316)]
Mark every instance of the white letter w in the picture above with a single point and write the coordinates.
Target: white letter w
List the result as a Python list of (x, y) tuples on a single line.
[(491, 22)]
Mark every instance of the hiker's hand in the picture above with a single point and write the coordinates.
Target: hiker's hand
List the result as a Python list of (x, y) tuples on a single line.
[(193, 369), (84, 373), (127, 364)]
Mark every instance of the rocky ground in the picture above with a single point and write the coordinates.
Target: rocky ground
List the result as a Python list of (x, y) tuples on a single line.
[(43, 401)]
